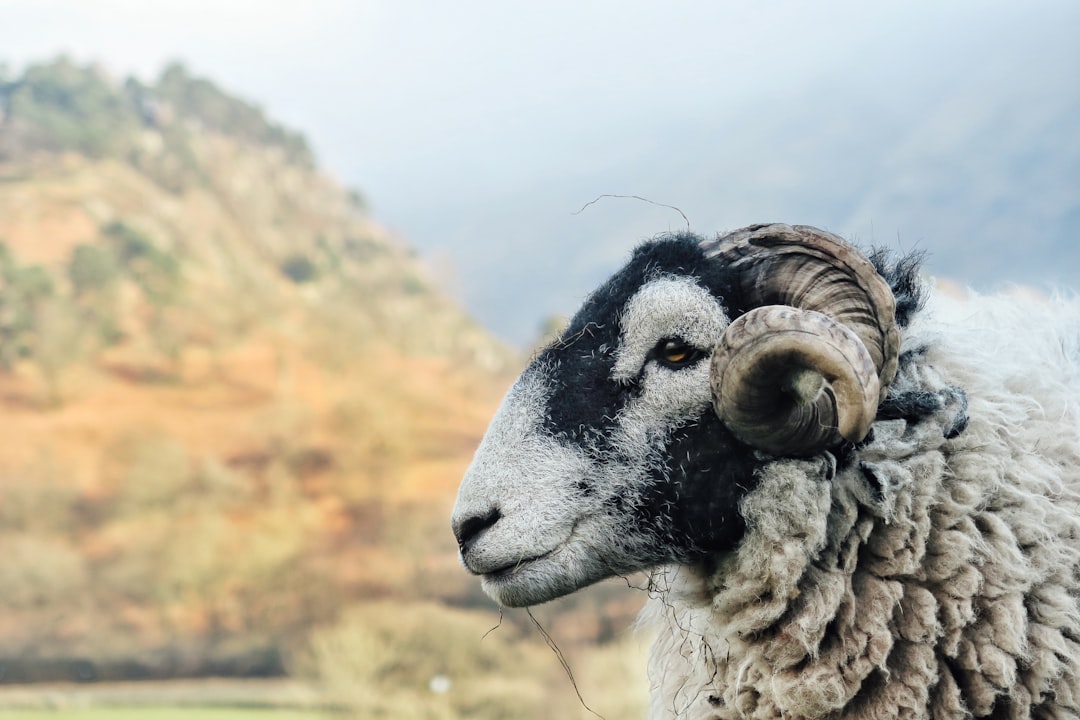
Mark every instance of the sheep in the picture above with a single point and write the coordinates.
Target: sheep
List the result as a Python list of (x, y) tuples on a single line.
[(856, 498)]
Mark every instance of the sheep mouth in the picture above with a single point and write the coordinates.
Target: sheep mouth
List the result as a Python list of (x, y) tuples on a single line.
[(488, 570), (540, 578), (517, 566), (514, 567), (529, 581)]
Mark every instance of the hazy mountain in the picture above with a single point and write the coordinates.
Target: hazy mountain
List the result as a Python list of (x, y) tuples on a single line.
[(232, 403), (225, 200)]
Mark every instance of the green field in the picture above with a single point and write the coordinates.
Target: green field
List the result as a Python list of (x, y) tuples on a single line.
[(150, 713)]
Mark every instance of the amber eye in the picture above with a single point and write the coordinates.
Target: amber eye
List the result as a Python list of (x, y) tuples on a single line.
[(676, 353)]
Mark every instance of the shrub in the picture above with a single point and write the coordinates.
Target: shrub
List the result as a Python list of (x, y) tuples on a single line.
[(40, 500), (156, 272), (299, 268), (92, 269), (380, 655), (38, 570), (23, 291), (158, 471)]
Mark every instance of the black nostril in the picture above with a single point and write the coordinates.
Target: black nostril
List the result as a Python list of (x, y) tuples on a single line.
[(467, 531)]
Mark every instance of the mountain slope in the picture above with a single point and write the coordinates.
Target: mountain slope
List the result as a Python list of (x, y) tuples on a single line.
[(234, 209), (232, 403)]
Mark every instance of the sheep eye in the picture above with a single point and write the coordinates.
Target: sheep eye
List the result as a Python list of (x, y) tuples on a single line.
[(676, 353)]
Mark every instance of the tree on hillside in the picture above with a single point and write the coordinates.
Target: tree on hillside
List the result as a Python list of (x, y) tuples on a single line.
[(5, 89), (92, 269), (58, 344), (200, 100), (94, 273), (60, 106), (23, 290), (156, 272), (299, 268), (36, 323)]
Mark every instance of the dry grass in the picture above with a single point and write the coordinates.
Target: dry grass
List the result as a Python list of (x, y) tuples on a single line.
[(423, 660), (167, 713)]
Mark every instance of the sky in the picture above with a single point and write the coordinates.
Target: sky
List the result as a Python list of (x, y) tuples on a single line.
[(482, 132)]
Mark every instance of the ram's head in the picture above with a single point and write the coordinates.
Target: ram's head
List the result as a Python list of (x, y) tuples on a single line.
[(629, 442)]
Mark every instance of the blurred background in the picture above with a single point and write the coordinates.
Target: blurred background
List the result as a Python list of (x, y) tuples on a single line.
[(267, 268)]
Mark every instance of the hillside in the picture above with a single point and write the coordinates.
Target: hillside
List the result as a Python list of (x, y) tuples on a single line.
[(181, 175), (218, 380), (235, 413)]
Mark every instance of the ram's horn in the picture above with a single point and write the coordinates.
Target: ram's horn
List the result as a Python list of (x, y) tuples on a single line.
[(816, 346)]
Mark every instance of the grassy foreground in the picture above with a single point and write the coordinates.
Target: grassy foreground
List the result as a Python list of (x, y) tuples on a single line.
[(148, 713)]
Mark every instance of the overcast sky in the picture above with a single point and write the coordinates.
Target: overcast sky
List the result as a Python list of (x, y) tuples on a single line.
[(478, 129)]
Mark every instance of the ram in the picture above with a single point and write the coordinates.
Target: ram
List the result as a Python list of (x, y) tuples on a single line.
[(856, 499)]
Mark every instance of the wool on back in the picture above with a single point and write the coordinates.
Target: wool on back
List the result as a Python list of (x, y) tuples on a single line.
[(932, 572)]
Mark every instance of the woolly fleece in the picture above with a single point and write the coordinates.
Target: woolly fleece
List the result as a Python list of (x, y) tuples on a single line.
[(935, 574)]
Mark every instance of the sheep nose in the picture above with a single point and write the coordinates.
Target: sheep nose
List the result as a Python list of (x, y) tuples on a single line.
[(467, 530)]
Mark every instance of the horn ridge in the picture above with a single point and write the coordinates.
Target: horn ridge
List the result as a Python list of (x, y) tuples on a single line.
[(791, 381), (815, 272)]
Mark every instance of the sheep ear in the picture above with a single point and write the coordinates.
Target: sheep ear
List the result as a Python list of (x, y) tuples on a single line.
[(807, 364)]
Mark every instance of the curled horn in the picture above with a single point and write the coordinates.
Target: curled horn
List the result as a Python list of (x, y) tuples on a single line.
[(807, 364)]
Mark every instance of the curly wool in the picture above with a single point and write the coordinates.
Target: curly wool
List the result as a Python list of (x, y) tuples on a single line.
[(934, 574)]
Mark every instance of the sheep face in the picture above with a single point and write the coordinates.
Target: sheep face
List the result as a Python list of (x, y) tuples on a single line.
[(606, 456)]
